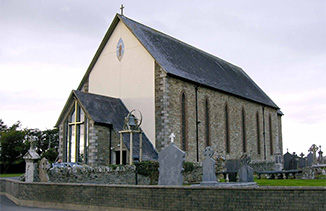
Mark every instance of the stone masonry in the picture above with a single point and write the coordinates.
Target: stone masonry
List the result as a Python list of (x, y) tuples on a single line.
[(98, 144), (161, 108), (168, 92)]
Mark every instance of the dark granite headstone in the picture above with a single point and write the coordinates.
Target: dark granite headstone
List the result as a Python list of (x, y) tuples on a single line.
[(287, 160), (310, 159), (302, 161), (320, 157), (232, 167), (246, 173), (294, 162), (171, 161)]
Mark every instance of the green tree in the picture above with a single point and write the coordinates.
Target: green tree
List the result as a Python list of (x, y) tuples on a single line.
[(47, 142), (12, 145)]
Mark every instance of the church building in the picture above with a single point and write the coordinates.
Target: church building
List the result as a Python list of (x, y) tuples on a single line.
[(202, 99)]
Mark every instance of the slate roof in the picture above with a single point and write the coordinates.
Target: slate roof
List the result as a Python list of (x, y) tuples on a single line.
[(111, 111), (185, 61)]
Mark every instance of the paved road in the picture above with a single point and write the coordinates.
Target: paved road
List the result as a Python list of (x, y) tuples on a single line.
[(7, 205)]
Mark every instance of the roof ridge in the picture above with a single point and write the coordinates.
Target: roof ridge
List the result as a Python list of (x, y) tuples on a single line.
[(101, 95), (178, 40)]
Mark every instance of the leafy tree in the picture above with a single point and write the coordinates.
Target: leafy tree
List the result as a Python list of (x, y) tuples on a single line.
[(47, 142), (12, 146), (14, 143), (3, 127)]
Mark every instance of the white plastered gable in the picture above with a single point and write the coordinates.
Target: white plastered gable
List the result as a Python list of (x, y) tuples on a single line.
[(132, 78)]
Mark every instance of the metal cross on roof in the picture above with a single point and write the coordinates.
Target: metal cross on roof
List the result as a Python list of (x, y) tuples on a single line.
[(121, 8)]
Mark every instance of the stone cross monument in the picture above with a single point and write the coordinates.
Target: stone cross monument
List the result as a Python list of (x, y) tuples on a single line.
[(171, 161), (44, 166), (246, 173), (31, 158), (209, 176), (314, 149)]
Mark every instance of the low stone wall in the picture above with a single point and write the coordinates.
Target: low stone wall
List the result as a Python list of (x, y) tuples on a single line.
[(96, 175), (120, 175), (131, 197), (112, 175)]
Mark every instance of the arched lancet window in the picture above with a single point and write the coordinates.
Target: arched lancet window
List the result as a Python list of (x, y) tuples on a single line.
[(207, 125), (227, 132), (258, 133), (76, 139), (244, 143), (270, 135), (183, 122)]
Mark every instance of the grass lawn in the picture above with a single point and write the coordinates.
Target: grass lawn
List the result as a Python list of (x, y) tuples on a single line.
[(260, 182), (290, 182), (11, 175)]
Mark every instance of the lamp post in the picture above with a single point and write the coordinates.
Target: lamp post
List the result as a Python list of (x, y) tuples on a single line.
[(136, 162)]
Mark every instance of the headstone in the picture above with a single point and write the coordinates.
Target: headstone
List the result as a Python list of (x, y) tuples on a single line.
[(302, 161), (320, 157), (278, 166), (209, 176), (44, 166), (314, 149), (308, 173), (246, 173), (287, 160), (232, 167), (171, 161), (294, 162), (310, 159), (31, 158)]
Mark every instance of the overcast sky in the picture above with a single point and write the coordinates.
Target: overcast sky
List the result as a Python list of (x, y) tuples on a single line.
[(47, 45)]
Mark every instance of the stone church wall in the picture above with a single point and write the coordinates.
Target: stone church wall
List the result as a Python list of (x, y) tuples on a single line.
[(161, 108), (99, 145), (168, 119)]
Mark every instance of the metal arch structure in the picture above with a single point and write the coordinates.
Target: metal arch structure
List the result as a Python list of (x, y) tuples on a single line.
[(136, 120), (131, 125)]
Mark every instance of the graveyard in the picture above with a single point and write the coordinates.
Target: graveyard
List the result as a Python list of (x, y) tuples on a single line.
[(201, 140), (170, 183)]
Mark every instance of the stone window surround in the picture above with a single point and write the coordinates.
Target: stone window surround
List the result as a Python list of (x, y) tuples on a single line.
[(271, 150), (207, 122), (258, 133), (183, 121), (244, 144), (227, 129)]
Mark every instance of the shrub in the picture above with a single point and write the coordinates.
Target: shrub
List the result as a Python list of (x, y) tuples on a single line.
[(149, 169)]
